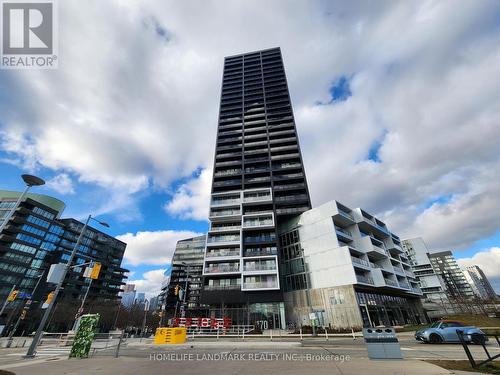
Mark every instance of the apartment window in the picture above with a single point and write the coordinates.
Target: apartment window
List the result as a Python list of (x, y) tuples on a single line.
[(23, 248), (42, 212), (37, 221), (29, 239)]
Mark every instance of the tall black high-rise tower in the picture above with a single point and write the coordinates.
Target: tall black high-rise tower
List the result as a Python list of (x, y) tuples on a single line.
[(258, 181)]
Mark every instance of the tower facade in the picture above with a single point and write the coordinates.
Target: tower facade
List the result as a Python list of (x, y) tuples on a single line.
[(258, 182)]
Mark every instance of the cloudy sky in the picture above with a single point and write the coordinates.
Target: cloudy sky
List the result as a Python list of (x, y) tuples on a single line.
[(397, 106)]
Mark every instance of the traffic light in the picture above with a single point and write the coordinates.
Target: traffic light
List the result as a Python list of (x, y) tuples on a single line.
[(49, 298), (23, 314), (13, 295), (95, 271), (176, 290)]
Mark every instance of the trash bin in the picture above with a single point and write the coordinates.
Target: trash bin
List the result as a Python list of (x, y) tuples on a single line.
[(382, 343)]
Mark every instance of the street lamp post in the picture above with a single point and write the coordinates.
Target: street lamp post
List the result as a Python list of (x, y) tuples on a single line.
[(146, 308), (38, 334), (30, 181)]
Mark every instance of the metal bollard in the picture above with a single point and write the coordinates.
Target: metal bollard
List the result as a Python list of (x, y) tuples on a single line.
[(326, 334), (118, 346), (300, 333)]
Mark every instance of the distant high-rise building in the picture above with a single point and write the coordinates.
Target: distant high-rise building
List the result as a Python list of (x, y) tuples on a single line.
[(128, 295), (258, 183), (187, 259), (140, 298), (435, 300), (446, 267), (479, 283)]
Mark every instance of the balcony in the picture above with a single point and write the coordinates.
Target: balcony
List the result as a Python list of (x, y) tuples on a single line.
[(258, 223), (257, 198), (371, 224), (224, 214), (260, 267), (364, 279), (222, 269), (391, 283), (292, 198), (223, 253), (227, 228), (260, 285), (222, 287), (231, 172), (259, 239), (291, 211), (224, 202), (361, 262), (258, 252), (343, 234), (404, 285), (223, 239), (398, 270)]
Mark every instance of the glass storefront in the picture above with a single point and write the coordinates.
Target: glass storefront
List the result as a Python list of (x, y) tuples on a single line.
[(261, 315), (380, 309)]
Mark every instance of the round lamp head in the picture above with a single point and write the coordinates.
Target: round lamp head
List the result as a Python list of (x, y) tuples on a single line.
[(32, 180)]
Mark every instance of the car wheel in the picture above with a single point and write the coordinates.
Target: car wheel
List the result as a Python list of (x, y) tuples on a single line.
[(435, 339), (478, 339)]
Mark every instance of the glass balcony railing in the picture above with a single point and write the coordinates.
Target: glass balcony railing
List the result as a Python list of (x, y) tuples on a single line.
[(259, 198), (222, 202), (404, 285), (346, 214), (260, 267), (224, 239), (222, 269), (261, 285), (257, 223), (261, 251), (398, 269), (364, 279), (221, 229), (225, 213), (391, 282), (343, 231), (259, 238), (222, 287), (222, 253)]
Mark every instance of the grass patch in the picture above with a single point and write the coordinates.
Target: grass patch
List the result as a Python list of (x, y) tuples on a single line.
[(476, 320), (489, 368)]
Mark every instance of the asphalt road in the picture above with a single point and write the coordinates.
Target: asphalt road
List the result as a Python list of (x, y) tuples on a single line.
[(339, 347)]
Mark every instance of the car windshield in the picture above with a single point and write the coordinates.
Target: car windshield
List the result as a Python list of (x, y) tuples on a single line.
[(435, 325)]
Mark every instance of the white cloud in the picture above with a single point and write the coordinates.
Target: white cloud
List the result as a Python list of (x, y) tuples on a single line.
[(153, 248), (489, 261), (138, 109), (150, 282), (192, 199), (61, 183)]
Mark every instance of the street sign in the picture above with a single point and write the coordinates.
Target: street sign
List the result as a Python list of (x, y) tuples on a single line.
[(55, 273)]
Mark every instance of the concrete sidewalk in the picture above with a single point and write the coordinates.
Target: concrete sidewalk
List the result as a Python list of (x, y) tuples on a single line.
[(144, 366)]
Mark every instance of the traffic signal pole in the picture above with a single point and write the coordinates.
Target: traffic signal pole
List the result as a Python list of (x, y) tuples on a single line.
[(7, 300), (39, 332)]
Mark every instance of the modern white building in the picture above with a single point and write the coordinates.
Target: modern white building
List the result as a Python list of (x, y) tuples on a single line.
[(435, 301), (345, 266), (479, 283)]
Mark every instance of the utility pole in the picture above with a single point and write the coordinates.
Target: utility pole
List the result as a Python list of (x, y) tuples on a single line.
[(39, 332)]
